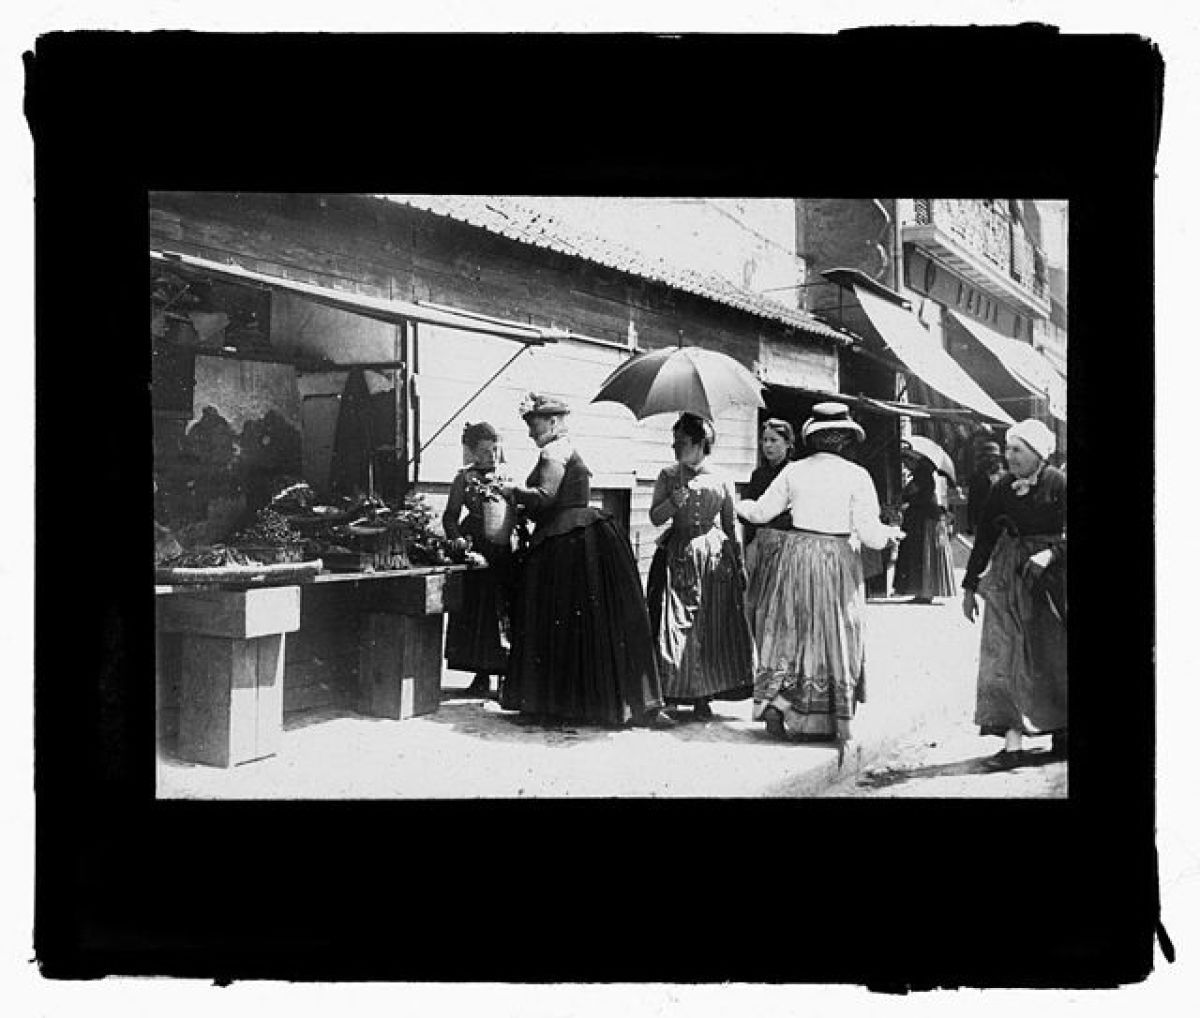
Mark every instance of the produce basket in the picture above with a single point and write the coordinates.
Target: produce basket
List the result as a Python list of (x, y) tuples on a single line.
[(272, 554), (498, 520)]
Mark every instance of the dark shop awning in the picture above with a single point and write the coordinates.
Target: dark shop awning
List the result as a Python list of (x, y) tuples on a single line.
[(921, 354), (381, 309), (1024, 364)]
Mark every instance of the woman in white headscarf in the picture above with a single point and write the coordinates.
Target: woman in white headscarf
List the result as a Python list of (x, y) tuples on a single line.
[(1020, 547), (812, 658)]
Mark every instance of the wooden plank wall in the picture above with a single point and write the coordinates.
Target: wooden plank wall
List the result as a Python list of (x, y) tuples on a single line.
[(387, 249)]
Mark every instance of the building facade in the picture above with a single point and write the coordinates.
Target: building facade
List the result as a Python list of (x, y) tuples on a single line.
[(261, 394), (980, 280)]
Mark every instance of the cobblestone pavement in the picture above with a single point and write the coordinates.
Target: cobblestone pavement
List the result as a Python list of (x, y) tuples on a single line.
[(920, 678)]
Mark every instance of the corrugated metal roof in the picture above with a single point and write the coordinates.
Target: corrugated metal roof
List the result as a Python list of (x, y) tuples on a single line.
[(522, 221)]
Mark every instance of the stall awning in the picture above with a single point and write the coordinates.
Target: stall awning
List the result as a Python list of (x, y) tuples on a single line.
[(379, 308), (1027, 367), (921, 354)]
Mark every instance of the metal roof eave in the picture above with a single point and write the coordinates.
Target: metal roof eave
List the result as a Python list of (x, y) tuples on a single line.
[(384, 309)]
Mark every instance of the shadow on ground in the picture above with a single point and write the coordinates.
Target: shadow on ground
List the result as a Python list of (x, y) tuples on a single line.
[(730, 723), (890, 776)]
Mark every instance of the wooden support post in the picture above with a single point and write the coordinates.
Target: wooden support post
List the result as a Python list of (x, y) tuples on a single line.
[(400, 656), (231, 675), (400, 664)]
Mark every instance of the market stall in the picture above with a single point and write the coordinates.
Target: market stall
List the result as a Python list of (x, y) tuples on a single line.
[(276, 598), (229, 666)]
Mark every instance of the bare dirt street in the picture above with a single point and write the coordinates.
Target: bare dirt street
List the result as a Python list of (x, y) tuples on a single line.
[(921, 663), (946, 761)]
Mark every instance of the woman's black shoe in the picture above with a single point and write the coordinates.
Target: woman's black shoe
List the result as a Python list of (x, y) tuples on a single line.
[(702, 711), (654, 719), (1058, 745), (1005, 760), (481, 686)]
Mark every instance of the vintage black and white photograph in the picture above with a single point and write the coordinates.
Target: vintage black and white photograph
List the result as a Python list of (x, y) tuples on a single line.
[(523, 496), (609, 502)]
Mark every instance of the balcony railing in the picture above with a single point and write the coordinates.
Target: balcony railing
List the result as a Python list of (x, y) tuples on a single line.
[(986, 227)]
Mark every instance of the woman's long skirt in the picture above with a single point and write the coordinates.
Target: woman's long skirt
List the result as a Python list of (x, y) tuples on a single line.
[(581, 646), (697, 613), (762, 556), (811, 655), (477, 634), (1023, 648), (925, 561)]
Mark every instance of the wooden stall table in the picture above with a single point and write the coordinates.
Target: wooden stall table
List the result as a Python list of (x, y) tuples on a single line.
[(233, 647), (402, 627), (231, 668)]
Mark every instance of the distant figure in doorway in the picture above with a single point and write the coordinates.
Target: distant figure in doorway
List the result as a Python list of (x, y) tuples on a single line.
[(989, 466), (697, 579), (811, 654), (581, 642), (477, 634), (1019, 545), (777, 443), (924, 560)]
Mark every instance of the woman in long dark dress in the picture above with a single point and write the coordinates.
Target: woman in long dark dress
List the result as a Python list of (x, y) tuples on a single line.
[(924, 561), (581, 642), (811, 654), (477, 634), (776, 442), (695, 591), (1022, 685)]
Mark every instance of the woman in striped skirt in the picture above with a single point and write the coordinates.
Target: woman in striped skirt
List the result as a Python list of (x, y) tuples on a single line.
[(697, 580), (811, 659)]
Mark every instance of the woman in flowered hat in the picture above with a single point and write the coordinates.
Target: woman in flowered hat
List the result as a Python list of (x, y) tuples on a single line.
[(812, 659), (1020, 545), (476, 634), (581, 642), (697, 579)]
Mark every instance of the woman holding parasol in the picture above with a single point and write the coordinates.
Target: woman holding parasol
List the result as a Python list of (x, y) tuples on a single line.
[(697, 579), (924, 560)]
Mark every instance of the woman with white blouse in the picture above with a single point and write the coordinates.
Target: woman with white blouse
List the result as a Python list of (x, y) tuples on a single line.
[(810, 643)]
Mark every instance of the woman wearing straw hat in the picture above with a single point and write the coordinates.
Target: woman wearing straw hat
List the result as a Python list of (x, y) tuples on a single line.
[(1022, 685), (476, 634), (581, 643), (811, 652)]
